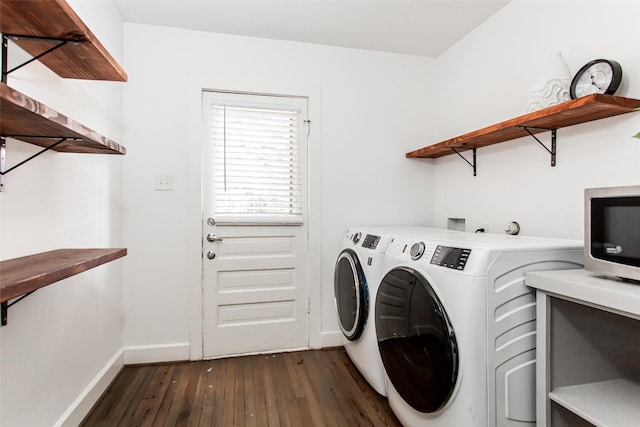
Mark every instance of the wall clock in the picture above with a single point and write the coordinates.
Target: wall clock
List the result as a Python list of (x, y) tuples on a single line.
[(598, 76)]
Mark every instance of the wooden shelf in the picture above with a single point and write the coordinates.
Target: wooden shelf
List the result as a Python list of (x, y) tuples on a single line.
[(576, 111), (56, 19), (20, 276), (24, 118)]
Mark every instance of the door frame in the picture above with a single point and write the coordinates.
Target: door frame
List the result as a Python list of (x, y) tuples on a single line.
[(195, 209)]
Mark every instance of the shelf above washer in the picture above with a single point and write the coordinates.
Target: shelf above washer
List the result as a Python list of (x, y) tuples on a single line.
[(55, 19), (576, 111)]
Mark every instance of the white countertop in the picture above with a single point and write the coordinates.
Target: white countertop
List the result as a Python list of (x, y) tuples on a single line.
[(592, 289)]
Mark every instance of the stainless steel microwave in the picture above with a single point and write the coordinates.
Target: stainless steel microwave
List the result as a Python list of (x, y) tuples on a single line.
[(612, 231)]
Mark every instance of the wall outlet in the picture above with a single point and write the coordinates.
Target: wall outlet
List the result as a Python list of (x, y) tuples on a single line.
[(164, 182)]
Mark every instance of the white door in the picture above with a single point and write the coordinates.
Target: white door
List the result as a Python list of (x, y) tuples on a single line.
[(255, 275)]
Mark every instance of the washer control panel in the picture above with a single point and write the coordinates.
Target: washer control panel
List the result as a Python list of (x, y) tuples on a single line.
[(370, 241), (449, 257)]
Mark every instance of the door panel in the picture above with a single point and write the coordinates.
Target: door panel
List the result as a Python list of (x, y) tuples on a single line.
[(254, 293), (255, 271)]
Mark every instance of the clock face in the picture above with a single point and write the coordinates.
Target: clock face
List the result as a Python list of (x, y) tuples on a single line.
[(598, 76)]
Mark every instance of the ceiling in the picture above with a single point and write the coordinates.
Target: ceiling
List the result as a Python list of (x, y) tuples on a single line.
[(414, 27)]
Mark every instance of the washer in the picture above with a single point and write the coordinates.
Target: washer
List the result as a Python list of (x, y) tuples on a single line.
[(455, 325), (358, 272)]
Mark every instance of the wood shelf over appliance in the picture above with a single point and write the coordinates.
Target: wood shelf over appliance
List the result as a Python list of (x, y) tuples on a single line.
[(55, 19), (26, 119), (24, 275), (576, 111)]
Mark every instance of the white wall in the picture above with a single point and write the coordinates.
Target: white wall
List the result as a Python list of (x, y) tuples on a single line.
[(485, 79), (367, 110), (61, 340)]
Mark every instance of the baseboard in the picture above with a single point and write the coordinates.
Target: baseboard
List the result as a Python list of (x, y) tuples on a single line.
[(74, 415), (137, 354), (331, 339)]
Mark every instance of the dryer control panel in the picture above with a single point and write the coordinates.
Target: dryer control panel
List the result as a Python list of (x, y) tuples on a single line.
[(449, 257), (370, 241)]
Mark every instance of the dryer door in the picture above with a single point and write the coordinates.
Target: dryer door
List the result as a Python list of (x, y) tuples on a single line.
[(416, 340), (351, 293)]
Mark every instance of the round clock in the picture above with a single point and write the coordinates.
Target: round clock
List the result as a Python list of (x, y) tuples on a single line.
[(597, 76)]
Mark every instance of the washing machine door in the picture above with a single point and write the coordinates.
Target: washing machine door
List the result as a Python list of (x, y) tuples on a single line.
[(416, 340), (351, 293)]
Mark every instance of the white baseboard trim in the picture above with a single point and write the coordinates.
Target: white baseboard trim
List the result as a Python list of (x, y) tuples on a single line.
[(331, 339), (137, 354), (75, 413)]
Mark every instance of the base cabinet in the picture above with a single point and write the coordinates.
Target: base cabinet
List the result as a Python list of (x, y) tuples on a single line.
[(588, 342)]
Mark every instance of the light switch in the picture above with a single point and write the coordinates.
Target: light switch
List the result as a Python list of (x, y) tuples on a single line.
[(164, 182)]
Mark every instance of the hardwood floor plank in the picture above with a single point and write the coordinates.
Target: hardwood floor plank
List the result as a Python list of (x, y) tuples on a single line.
[(313, 404), (170, 404), (307, 388), (208, 393), (239, 401), (249, 396), (305, 415), (269, 393), (291, 361), (220, 366), (118, 396), (258, 384), (153, 396), (368, 400), (228, 402), (285, 396), (200, 395), (135, 397)]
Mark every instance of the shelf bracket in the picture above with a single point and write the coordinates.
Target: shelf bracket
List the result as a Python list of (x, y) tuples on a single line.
[(3, 150), (4, 308), (472, 164), (5, 44), (553, 141)]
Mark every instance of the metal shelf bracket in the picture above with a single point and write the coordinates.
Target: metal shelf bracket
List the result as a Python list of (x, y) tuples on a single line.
[(5, 48), (551, 151), (472, 164), (3, 150), (4, 308)]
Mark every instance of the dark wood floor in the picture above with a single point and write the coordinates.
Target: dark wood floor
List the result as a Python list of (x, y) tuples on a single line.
[(308, 388)]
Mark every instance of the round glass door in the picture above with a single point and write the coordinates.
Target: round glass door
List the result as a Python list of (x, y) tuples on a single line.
[(416, 340), (351, 294)]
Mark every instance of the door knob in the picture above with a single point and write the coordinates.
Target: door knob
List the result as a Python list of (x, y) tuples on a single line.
[(213, 238), (211, 255)]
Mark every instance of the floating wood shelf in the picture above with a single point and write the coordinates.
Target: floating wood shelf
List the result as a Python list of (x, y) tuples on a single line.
[(576, 111), (55, 19), (26, 119), (19, 276)]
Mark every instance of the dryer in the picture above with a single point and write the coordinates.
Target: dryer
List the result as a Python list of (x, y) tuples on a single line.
[(455, 325), (358, 272)]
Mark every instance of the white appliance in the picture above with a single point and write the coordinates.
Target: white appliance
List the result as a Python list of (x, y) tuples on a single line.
[(455, 325), (358, 272)]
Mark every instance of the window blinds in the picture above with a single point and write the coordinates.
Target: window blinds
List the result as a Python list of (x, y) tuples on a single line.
[(256, 166)]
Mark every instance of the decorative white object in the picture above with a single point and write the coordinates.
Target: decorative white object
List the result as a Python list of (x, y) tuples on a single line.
[(552, 87)]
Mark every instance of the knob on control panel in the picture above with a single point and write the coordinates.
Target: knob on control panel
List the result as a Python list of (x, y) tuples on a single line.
[(416, 251), (356, 237)]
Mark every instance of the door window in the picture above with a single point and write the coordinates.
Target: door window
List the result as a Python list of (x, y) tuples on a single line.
[(255, 151)]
